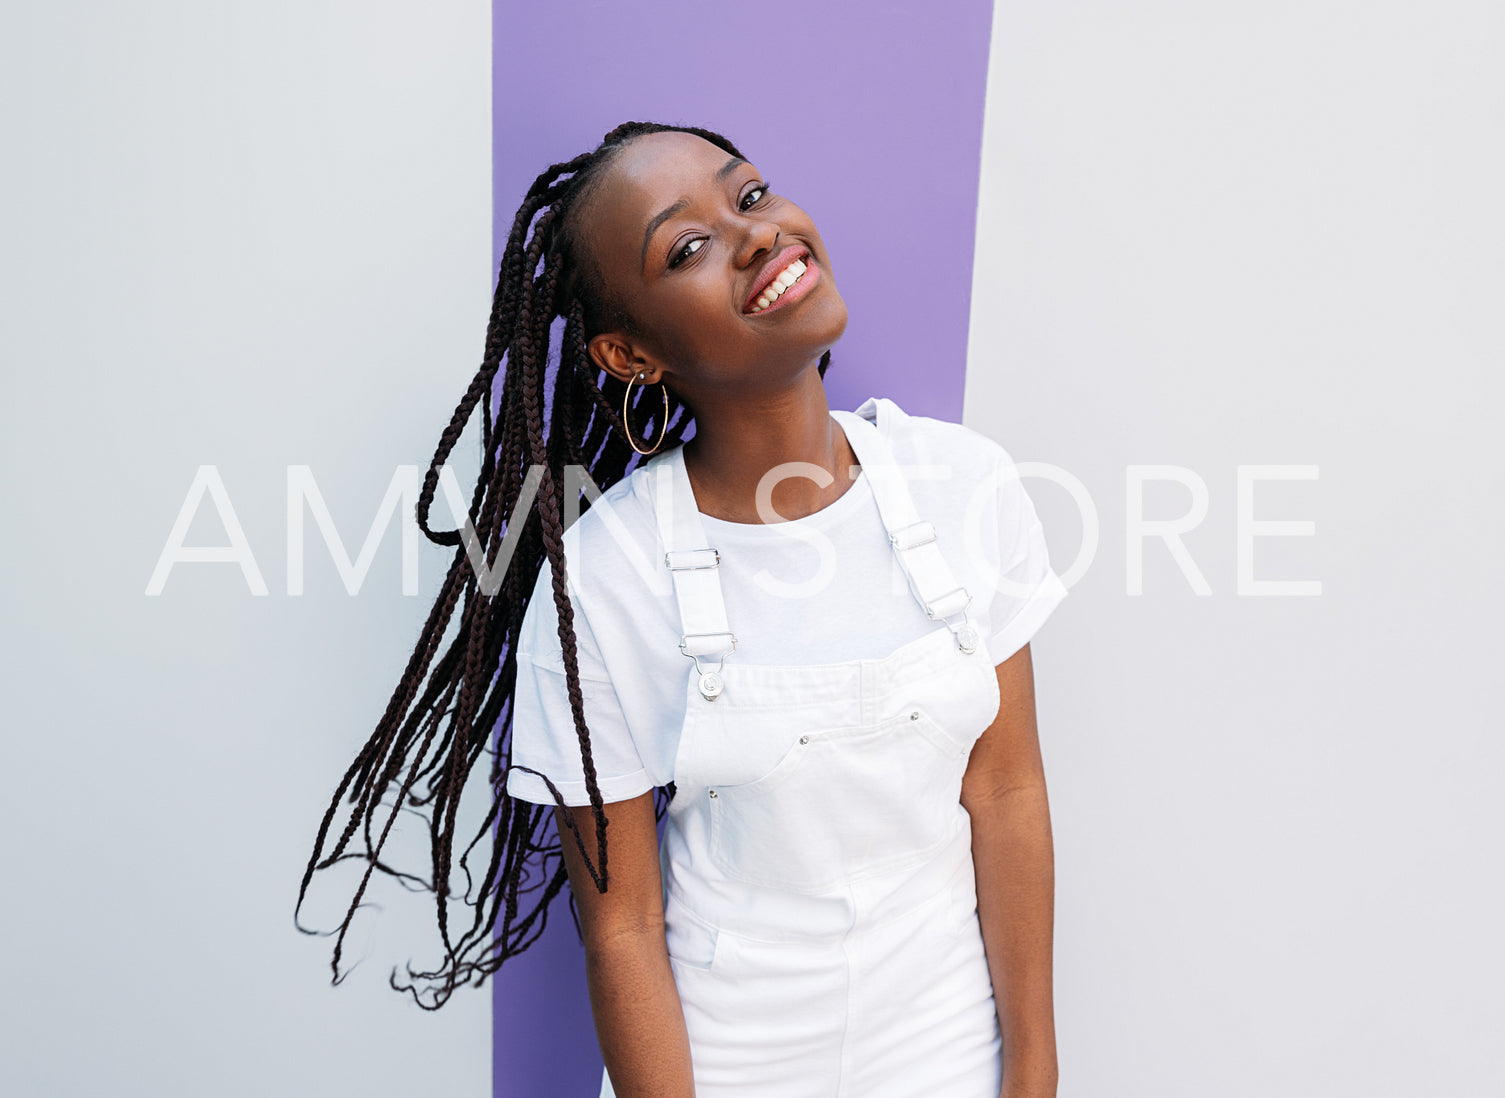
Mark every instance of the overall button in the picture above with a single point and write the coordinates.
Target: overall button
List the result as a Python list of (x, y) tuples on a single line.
[(804, 739), (711, 685)]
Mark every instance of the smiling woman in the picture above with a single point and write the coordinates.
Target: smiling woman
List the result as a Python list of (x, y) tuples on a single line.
[(853, 892)]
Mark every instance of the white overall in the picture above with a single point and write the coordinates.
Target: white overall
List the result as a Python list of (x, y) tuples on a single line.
[(818, 882)]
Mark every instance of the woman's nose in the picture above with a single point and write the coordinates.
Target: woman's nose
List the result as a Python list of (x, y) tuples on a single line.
[(761, 236)]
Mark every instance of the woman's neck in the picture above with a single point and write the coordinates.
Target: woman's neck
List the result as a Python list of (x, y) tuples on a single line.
[(737, 444)]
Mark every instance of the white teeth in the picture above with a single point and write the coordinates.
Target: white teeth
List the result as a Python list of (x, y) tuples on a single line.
[(786, 278)]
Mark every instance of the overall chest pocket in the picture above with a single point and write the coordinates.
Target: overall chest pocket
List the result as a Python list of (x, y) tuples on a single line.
[(842, 804)]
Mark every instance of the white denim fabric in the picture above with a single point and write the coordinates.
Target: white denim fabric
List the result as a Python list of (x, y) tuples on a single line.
[(825, 587), (819, 892)]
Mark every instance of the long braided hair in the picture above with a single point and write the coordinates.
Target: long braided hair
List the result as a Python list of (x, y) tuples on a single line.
[(428, 740)]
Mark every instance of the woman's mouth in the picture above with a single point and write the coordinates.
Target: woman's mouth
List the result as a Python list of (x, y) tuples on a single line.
[(788, 283)]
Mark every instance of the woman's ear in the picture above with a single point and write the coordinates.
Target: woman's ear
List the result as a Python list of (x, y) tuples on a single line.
[(618, 356)]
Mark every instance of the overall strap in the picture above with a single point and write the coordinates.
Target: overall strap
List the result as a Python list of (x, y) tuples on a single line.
[(913, 538), (693, 565)]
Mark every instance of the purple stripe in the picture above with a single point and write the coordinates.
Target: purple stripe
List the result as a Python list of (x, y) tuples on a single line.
[(869, 115)]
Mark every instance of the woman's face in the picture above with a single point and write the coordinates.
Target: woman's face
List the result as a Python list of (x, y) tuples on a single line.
[(687, 237)]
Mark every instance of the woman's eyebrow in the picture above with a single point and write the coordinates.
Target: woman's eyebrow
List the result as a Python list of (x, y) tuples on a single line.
[(662, 216), (680, 206), (729, 167)]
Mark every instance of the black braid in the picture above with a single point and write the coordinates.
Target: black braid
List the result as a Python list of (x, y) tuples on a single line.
[(437, 730)]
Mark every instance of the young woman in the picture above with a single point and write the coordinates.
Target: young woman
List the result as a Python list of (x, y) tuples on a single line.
[(801, 636)]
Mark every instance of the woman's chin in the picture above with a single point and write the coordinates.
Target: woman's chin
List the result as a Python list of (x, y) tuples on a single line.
[(829, 324), (821, 318)]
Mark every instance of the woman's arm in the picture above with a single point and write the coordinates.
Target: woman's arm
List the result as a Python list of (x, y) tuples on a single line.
[(639, 1022), (1004, 792)]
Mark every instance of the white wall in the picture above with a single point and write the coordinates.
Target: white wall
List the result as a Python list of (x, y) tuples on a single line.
[(1256, 233), (247, 235)]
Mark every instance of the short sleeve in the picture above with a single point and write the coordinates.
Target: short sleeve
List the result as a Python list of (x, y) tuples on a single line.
[(544, 740), (1025, 587)]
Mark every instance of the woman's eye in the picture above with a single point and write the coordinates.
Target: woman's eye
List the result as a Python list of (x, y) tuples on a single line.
[(688, 250), (756, 196)]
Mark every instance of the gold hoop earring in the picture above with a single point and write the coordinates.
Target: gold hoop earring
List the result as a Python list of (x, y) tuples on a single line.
[(663, 425)]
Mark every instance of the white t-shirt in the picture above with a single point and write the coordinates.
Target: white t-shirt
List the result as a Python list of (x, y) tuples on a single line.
[(826, 588)]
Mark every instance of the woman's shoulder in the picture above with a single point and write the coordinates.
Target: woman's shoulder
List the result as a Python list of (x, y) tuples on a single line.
[(615, 539), (926, 440), (612, 564)]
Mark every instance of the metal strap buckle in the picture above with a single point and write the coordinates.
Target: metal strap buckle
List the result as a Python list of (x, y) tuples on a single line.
[(684, 642), (932, 607), (695, 558), (710, 683), (912, 536)]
